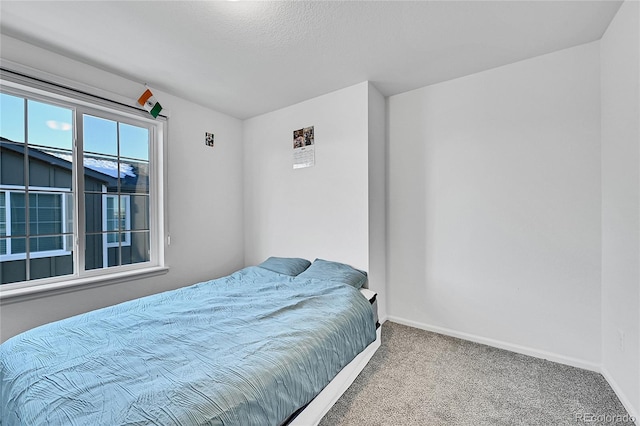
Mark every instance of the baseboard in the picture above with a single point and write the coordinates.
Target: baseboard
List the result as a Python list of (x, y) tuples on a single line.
[(621, 395), (550, 356)]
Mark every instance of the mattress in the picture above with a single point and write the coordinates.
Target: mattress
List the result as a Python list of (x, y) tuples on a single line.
[(372, 297), (247, 349)]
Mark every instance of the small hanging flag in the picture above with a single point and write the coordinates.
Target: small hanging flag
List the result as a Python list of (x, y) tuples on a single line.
[(149, 102)]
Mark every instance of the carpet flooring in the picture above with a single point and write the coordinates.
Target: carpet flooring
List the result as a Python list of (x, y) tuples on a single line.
[(421, 378)]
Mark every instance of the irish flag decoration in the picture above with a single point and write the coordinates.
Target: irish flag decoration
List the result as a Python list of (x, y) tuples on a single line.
[(149, 102)]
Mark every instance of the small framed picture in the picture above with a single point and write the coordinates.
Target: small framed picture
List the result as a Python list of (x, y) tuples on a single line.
[(208, 139)]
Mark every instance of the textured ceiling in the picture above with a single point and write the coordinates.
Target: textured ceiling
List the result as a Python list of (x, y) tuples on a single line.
[(248, 58)]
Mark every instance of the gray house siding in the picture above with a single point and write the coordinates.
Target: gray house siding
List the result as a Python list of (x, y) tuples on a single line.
[(49, 171), (41, 174)]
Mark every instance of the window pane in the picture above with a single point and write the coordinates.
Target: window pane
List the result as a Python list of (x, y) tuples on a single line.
[(103, 250), (46, 224), (3, 224), (12, 117), (45, 215), (135, 252), (100, 135), (110, 219), (113, 255), (95, 250), (12, 164), (39, 244), (115, 173), (54, 266), (18, 245), (93, 205), (139, 207), (117, 213), (101, 173), (138, 251), (49, 125), (13, 271), (3, 215), (134, 142), (68, 200), (118, 238), (114, 216), (122, 213), (50, 168), (18, 213), (136, 178), (104, 212)]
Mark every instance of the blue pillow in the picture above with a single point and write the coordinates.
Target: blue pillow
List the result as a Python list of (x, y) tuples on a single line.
[(285, 265), (334, 271)]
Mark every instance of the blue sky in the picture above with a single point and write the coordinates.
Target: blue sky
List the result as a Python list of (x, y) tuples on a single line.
[(51, 126)]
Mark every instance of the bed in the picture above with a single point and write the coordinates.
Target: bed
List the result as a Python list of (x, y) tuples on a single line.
[(252, 348)]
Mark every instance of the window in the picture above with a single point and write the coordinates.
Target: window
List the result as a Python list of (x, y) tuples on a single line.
[(79, 189), (3, 224), (117, 215), (46, 220)]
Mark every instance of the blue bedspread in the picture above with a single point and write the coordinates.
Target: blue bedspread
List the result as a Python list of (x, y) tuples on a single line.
[(246, 349)]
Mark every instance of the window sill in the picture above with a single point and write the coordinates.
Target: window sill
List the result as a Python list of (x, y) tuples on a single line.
[(35, 292)]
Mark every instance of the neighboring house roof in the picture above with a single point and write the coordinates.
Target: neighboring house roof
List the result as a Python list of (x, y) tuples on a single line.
[(100, 169), (101, 165)]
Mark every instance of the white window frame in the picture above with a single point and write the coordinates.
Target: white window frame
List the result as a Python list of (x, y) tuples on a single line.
[(65, 251), (83, 103)]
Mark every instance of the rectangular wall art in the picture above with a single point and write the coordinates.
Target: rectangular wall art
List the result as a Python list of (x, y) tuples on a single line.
[(303, 148)]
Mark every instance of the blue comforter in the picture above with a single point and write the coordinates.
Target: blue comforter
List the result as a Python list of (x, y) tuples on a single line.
[(246, 349)]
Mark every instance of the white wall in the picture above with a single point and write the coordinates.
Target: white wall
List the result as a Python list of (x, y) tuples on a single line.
[(620, 59), (315, 212), (377, 198), (334, 210), (205, 197), (494, 207)]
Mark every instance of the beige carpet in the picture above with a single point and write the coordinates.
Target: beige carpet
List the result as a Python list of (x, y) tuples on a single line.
[(422, 378)]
